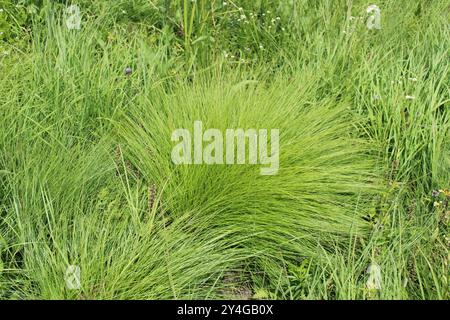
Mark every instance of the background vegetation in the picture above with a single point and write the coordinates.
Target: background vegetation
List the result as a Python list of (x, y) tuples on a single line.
[(86, 177)]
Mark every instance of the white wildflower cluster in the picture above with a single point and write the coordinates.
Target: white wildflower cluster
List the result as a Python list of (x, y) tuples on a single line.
[(274, 21), (233, 57), (242, 16), (408, 97), (268, 21), (351, 25)]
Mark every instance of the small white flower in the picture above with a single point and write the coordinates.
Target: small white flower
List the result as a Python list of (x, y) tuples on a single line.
[(243, 17), (408, 97), (412, 79), (283, 29), (1, 10), (224, 4), (261, 46), (376, 97)]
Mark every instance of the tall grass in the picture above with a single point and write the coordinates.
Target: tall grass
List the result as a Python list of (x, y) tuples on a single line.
[(86, 176)]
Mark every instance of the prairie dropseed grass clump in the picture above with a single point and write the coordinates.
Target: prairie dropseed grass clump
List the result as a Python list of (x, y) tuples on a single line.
[(338, 155)]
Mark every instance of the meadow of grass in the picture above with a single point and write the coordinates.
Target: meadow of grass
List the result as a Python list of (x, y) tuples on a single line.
[(86, 176)]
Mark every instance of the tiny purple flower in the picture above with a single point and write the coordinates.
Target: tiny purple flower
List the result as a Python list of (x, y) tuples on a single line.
[(128, 71)]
